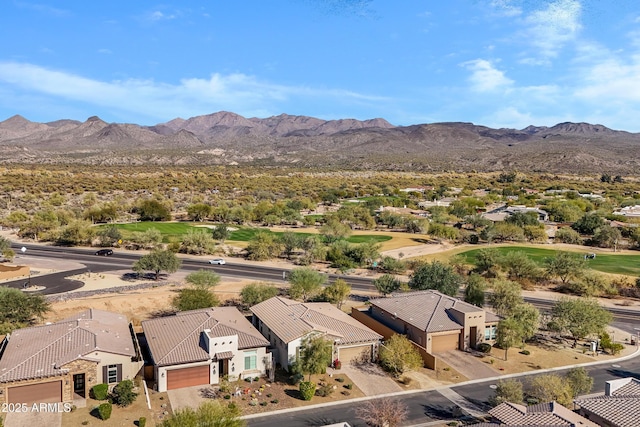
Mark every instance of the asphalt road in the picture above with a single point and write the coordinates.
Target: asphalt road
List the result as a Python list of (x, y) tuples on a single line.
[(431, 406)]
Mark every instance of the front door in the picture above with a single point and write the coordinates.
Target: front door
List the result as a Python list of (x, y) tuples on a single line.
[(78, 385), (473, 336), (223, 367)]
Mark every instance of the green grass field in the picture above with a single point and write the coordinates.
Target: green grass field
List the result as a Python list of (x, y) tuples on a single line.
[(606, 263), (170, 230)]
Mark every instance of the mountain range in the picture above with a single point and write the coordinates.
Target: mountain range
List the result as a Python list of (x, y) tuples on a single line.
[(225, 138)]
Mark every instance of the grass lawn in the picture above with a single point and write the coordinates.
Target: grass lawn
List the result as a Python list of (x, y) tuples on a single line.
[(607, 263)]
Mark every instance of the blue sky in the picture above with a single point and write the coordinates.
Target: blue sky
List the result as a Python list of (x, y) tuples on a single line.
[(498, 63)]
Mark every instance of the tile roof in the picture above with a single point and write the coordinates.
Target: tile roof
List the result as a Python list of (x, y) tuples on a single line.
[(543, 414), (428, 311), (290, 320), (224, 355), (175, 339), (620, 408), (42, 351)]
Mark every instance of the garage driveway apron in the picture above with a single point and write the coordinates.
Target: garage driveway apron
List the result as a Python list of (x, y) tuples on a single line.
[(468, 365), (32, 419), (369, 378)]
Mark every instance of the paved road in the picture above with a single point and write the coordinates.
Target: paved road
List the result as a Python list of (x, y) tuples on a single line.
[(430, 406)]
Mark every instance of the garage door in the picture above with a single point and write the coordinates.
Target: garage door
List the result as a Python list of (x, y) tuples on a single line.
[(354, 354), (187, 377), (444, 343), (44, 392)]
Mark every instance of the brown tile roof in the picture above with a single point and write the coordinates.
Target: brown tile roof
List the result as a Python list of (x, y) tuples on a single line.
[(428, 311), (541, 415), (620, 408), (290, 320), (175, 339), (42, 351), (224, 355)]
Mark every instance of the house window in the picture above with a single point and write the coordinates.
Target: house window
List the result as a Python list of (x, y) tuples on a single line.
[(112, 374), (250, 360), (490, 333)]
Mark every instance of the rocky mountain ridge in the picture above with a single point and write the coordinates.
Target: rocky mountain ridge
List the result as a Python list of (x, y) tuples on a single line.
[(228, 138)]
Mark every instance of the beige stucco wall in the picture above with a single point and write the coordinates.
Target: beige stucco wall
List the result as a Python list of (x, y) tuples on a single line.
[(129, 369)]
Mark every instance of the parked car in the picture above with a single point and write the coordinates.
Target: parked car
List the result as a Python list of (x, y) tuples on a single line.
[(105, 252), (217, 261)]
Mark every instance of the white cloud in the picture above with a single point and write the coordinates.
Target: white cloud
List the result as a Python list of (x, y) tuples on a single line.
[(506, 7), (485, 77), (551, 28), (156, 15), (239, 93), (105, 51)]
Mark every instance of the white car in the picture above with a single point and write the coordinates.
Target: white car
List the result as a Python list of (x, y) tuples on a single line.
[(217, 261)]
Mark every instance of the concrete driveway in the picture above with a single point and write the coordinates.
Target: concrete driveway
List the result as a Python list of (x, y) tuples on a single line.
[(188, 397), (31, 419), (468, 365), (370, 378)]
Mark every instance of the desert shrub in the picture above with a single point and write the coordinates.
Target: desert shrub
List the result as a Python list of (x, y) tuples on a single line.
[(324, 390), (349, 386), (100, 391), (296, 378), (405, 380), (142, 422), (340, 380), (123, 394), (483, 347), (307, 390), (104, 410), (525, 352), (264, 403), (227, 396)]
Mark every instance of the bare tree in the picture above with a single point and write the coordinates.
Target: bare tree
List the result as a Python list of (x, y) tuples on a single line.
[(382, 412)]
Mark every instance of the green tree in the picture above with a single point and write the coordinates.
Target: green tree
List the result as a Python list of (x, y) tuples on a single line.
[(568, 235), (153, 210), (263, 246), (4, 244), (522, 219), (220, 232), (194, 298), (607, 344), (109, 235), (255, 293), (437, 276), (148, 239), (519, 266), (474, 291), (333, 230), (580, 317), (123, 394), (20, 309), (565, 265), (290, 241), (392, 265), (488, 261), (508, 391), (198, 211), (588, 224), (398, 355), (528, 317), (337, 292), (212, 414), (197, 242), (607, 237), (505, 297), (315, 355), (78, 232), (579, 381), (508, 334), (387, 284), (205, 278), (157, 261), (305, 283), (551, 387)]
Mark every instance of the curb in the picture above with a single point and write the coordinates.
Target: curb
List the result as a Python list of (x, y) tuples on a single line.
[(636, 353)]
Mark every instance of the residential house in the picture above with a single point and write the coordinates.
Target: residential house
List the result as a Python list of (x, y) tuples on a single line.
[(285, 323), (629, 211), (61, 361), (199, 347), (435, 321), (618, 407), (544, 414)]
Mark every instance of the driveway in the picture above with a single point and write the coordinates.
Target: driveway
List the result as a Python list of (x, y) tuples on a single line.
[(468, 365), (188, 397), (31, 419), (370, 378)]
